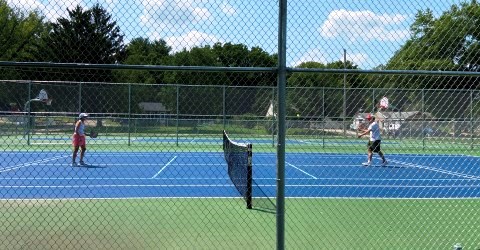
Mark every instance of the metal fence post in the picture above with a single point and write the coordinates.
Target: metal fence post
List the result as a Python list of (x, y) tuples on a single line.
[(129, 112), (79, 97), (177, 116), (323, 116), (224, 104), (272, 103), (282, 82), (29, 118), (471, 120), (423, 120)]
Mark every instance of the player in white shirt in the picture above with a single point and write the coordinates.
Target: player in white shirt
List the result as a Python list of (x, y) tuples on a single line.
[(374, 141)]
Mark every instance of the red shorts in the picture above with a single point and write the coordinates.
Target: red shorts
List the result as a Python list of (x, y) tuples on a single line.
[(78, 140)]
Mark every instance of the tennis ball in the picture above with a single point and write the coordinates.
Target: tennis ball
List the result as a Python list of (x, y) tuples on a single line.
[(298, 115)]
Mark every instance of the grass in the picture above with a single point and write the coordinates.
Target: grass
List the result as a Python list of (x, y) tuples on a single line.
[(226, 224)]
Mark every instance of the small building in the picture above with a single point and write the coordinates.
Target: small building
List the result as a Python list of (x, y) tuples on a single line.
[(153, 107), (153, 114), (391, 122)]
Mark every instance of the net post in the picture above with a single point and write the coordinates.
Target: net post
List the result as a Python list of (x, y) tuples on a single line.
[(249, 192)]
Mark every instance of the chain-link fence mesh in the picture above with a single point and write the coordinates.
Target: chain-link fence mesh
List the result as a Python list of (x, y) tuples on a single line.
[(160, 82)]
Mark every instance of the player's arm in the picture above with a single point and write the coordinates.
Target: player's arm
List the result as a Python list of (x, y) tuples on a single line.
[(77, 126), (364, 132)]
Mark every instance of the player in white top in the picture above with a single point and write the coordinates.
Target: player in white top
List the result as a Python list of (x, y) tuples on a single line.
[(374, 141), (79, 140)]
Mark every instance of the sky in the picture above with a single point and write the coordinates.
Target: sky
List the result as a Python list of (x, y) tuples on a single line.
[(366, 32)]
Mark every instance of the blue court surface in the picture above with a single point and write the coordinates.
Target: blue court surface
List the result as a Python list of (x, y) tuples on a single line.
[(49, 175)]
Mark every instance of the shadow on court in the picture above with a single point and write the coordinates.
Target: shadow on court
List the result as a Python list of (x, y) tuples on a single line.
[(89, 166)]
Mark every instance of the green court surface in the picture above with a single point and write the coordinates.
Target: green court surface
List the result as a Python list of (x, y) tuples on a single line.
[(184, 223)]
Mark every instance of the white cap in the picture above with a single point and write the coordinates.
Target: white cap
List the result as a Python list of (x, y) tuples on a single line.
[(82, 115)]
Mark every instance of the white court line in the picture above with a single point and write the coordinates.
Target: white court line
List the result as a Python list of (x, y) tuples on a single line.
[(293, 166), (439, 170), (340, 165), (33, 163), (168, 163), (229, 197), (306, 142), (231, 185), (206, 164), (117, 185), (122, 178), (221, 178)]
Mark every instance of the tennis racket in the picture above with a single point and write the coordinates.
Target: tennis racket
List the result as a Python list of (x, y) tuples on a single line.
[(362, 126), (92, 134)]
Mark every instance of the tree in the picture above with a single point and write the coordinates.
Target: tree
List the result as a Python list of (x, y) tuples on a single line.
[(321, 94), (195, 100), (450, 42), (142, 51), (19, 32), (86, 36), (238, 55)]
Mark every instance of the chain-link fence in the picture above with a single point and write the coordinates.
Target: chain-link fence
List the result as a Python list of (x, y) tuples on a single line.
[(160, 82)]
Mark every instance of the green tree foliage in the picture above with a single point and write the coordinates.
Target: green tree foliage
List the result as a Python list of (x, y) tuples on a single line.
[(142, 51), (18, 31), (86, 36), (238, 55), (321, 94), (450, 42), (219, 55), (18, 42)]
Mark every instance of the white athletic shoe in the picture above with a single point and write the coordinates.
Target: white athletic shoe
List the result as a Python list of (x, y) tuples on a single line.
[(82, 163), (367, 163), (384, 163)]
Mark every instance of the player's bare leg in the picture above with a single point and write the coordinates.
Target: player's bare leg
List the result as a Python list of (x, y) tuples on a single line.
[(369, 158), (384, 161), (74, 156), (82, 154)]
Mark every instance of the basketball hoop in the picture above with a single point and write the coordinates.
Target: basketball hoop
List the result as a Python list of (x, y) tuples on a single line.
[(47, 101), (43, 97)]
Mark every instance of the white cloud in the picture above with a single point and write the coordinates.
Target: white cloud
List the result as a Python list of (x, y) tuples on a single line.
[(364, 25), (357, 58), (201, 14), (172, 13), (314, 55), (27, 5), (52, 11), (227, 9), (190, 40)]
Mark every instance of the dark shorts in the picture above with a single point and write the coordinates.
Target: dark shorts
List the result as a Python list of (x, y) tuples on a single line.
[(374, 146)]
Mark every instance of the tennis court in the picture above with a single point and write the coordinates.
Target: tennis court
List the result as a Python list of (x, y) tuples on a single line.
[(49, 175)]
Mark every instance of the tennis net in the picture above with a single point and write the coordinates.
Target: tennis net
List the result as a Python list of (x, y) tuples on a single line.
[(239, 160)]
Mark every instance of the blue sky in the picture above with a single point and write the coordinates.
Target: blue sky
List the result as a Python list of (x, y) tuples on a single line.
[(370, 31)]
